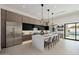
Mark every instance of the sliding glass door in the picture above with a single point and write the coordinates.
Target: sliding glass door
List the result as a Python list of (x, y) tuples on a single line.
[(70, 31), (77, 31)]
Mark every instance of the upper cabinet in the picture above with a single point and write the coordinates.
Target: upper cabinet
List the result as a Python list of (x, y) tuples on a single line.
[(26, 26), (13, 17), (30, 20)]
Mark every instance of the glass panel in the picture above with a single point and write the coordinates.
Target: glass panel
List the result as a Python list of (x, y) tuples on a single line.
[(77, 31), (70, 31)]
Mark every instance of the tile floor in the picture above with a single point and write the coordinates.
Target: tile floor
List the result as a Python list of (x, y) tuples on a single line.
[(63, 47)]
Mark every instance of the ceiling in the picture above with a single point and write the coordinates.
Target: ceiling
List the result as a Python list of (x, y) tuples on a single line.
[(35, 10)]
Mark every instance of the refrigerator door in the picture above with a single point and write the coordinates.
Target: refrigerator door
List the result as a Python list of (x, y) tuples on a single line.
[(10, 33), (13, 33), (18, 33)]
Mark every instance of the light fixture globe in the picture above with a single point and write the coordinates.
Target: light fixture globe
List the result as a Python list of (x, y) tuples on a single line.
[(52, 18)]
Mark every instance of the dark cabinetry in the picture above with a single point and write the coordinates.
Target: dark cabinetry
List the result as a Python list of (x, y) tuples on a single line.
[(26, 26), (46, 27), (27, 37), (3, 28), (41, 27)]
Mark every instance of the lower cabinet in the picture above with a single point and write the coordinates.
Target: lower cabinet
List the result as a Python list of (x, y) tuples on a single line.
[(26, 37), (18, 40)]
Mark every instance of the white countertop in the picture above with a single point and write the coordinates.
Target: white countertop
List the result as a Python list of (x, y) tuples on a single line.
[(38, 40)]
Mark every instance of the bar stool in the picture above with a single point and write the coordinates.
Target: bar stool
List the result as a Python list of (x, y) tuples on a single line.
[(53, 40), (48, 43)]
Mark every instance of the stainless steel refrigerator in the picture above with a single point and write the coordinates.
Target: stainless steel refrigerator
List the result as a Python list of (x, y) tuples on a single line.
[(13, 33)]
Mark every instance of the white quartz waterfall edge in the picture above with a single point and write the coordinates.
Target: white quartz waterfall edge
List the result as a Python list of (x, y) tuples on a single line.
[(38, 42)]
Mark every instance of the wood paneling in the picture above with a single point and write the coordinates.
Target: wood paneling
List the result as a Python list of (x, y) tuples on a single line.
[(13, 17), (31, 20), (16, 20), (3, 28), (27, 37)]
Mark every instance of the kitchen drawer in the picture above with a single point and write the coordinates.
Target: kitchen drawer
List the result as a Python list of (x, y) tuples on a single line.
[(18, 40), (27, 37)]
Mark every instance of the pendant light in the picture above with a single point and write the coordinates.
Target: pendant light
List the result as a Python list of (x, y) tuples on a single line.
[(48, 17), (42, 32), (48, 14), (42, 13), (52, 18)]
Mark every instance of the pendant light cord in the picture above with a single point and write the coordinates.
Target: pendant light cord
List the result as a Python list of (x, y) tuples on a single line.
[(52, 18), (48, 15), (42, 14)]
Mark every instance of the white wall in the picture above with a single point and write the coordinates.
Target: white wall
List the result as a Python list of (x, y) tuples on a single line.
[(67, 18)]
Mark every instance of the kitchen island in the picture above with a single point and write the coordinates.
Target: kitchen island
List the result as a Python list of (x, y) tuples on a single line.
[(38, 40)]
